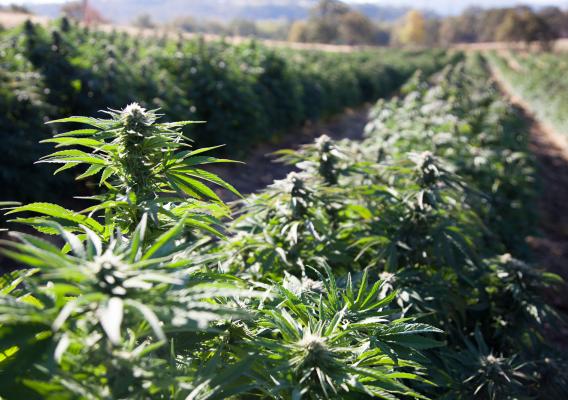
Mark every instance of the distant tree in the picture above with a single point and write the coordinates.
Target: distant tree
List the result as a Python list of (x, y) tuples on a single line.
[(523, 25), (489, 23), (144, 21), (510, 29), (412, 31), (556, 19), (298, 32), (383, 34), (82, 11), (469, 24), (538, 30), (333, 21), (432, 32), (323, 24), (20, 9), (356, 28), (447, 32), (324, 31), (460, 29), (329, 9)]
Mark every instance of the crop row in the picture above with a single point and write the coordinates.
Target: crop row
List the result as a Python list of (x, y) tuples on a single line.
[(247, 93), (540, 80), (388, 268)]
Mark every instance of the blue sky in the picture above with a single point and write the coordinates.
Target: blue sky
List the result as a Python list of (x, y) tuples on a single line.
[(442, 6)]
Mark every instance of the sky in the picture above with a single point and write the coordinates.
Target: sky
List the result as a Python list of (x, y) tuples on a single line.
[(441, 6), (455, 6)]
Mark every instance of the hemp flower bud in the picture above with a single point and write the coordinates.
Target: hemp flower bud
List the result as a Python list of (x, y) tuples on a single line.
[(134, 116)]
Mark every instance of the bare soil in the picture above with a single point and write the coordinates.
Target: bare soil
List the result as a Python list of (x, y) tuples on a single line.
[(550, 247), (260, 168), (12, 19), (560, 45)]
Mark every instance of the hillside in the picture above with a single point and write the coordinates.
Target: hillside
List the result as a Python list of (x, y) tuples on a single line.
[(121, 11)]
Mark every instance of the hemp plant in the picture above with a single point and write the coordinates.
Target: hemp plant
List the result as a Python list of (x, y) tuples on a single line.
[(325, 341), (102, 316), (103, 319), (146, 167)]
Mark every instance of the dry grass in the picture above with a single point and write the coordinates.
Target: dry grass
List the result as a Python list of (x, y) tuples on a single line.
[(230, 39), (11, 20), (559, 45)]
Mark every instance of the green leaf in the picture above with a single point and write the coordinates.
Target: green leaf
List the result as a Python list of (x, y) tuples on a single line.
[(78, 132), (97, 123), (67, 141), (192, 187), (190, 221), (138, 238), (58, 212), (397, 330), (201, 160), (92, 170), (165, 239), (208, 176)]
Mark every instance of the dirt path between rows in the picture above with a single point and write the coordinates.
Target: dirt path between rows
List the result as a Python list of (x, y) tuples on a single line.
[(260, 168), (551, 154)]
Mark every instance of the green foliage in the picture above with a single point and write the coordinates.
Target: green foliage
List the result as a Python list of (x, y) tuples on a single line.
[(91, 322), (322, 341), (146, 168), (247, 93), (388, 268), (132, 306), (441, 187), (537, 78)]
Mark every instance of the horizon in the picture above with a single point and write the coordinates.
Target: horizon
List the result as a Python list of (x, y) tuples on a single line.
[(444, 7)]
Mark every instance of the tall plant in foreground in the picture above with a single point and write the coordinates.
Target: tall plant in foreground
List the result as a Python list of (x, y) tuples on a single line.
[(91, 319), (145, 167)]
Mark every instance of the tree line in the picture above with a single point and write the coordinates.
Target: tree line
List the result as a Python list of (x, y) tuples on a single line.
[(336, 22), (333, 21)]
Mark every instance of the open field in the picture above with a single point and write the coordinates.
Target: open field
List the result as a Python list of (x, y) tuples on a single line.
[(11, 20), (411, 243)]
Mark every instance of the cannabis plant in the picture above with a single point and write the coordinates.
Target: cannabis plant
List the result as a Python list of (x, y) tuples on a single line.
[(133, 305), (103, 319), (146, 168), (324, 341)]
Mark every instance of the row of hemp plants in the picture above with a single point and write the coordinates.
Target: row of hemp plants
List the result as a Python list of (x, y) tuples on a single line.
[(436, 203), (390, 268), (537, 78), (248, 93), (132, 305)]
